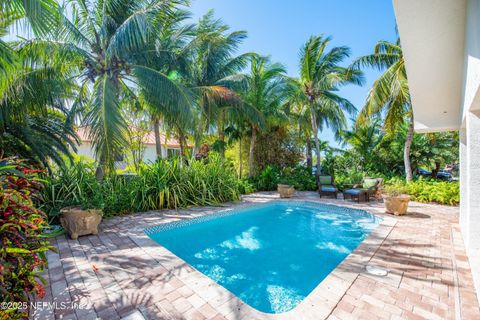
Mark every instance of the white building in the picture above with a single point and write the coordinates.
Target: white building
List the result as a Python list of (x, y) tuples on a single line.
[(441, 45), (170, 147)]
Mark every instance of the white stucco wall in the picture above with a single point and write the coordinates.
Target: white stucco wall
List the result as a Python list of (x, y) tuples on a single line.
[(470, 192), (471, 81), (470, 142), (85, 149), (150, 154)]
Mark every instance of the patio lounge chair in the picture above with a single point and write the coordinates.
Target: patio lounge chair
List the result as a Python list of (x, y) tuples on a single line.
[(327, 186), (369, 187)]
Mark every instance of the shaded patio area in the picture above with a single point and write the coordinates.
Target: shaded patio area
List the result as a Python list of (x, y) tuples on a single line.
[(121, 273)]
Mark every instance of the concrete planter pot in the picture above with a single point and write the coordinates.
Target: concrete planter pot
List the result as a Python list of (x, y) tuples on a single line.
[(79, 222), (397, 205), (285, 190)]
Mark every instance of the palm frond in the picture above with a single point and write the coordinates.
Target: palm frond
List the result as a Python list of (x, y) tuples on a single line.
[(105, 122), (160, 91)]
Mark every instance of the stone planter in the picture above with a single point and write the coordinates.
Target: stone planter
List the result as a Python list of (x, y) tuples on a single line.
[(285, 190), (396, 205), (78, 222)]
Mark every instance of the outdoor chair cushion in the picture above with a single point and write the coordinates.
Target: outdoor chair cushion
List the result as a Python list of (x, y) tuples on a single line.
[(326, 180), (354, 192), (328, 189), (369, 183)]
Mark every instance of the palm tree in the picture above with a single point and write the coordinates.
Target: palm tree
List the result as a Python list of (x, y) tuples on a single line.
[(214, 74), (389, 94), (35, 122), (169, 54), (109, 40), (317, 86), (365, 140), (264, 91)]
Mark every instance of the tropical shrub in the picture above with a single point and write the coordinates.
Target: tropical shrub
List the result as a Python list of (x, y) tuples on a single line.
[(300, 177), (74, 185), (164, 184), (23, 245), (245, 186), (423, 190), (343, 180), (395, 189), (267, 180), (276, 147)]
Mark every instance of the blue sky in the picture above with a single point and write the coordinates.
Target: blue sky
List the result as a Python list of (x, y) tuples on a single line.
[(280, 28)]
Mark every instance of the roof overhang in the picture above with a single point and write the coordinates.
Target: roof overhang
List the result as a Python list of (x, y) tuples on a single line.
[(432, 33)]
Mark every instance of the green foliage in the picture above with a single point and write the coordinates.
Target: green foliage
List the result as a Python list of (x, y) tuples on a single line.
[(395, 189), (267, 179), (245, 186), (23, 245), (164, 184), (342, 181), (425, 190), (75, 185), (300, 177), (276, 147)]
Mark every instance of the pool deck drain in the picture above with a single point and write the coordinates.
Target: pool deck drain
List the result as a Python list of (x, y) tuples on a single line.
[(122, 273)]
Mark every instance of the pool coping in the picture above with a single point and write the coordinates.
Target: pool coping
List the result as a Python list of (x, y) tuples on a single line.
[(319, 303)]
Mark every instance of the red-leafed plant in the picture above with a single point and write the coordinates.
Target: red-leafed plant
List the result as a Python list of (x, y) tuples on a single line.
[(22, 243)]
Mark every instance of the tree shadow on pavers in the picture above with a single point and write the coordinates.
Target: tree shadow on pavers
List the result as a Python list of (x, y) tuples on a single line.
[(158, 313), (397, 258), (125, 302), (141, 271)]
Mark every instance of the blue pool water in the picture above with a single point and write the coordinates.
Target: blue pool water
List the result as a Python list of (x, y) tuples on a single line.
[(270, 256)]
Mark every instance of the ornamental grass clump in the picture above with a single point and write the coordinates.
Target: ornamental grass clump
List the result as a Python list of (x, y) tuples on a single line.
[(165, 184), (23, 244)]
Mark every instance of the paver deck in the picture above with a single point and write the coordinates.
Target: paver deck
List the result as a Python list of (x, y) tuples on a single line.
[(121, 273)]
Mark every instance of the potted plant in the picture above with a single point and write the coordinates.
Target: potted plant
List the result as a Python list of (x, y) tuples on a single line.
[(285, 188), (79, 220), (396, 199)]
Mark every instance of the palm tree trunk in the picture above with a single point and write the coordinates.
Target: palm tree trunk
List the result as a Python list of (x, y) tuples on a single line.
[(182, 152), (182, 141), (100, 172), (101, 169), (253, 139), (309, 153), (221, 134), (165, 143), (317, 143), (240, 164), (436, 169), (158, 142), (406, 150)]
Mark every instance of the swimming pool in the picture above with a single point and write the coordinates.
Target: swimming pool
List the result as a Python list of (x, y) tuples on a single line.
[(272, 255)]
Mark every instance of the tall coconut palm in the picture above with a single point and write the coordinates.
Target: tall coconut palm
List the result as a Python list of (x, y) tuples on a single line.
[(169, 54), (109, 39), (214, 74), (389, 94), (264, 90), (316, 88)]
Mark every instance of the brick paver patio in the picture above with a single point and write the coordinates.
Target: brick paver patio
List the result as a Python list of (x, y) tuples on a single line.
[(121, 273)]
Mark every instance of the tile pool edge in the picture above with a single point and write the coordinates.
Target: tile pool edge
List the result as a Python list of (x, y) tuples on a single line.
[(319, 303), (240, 209)]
